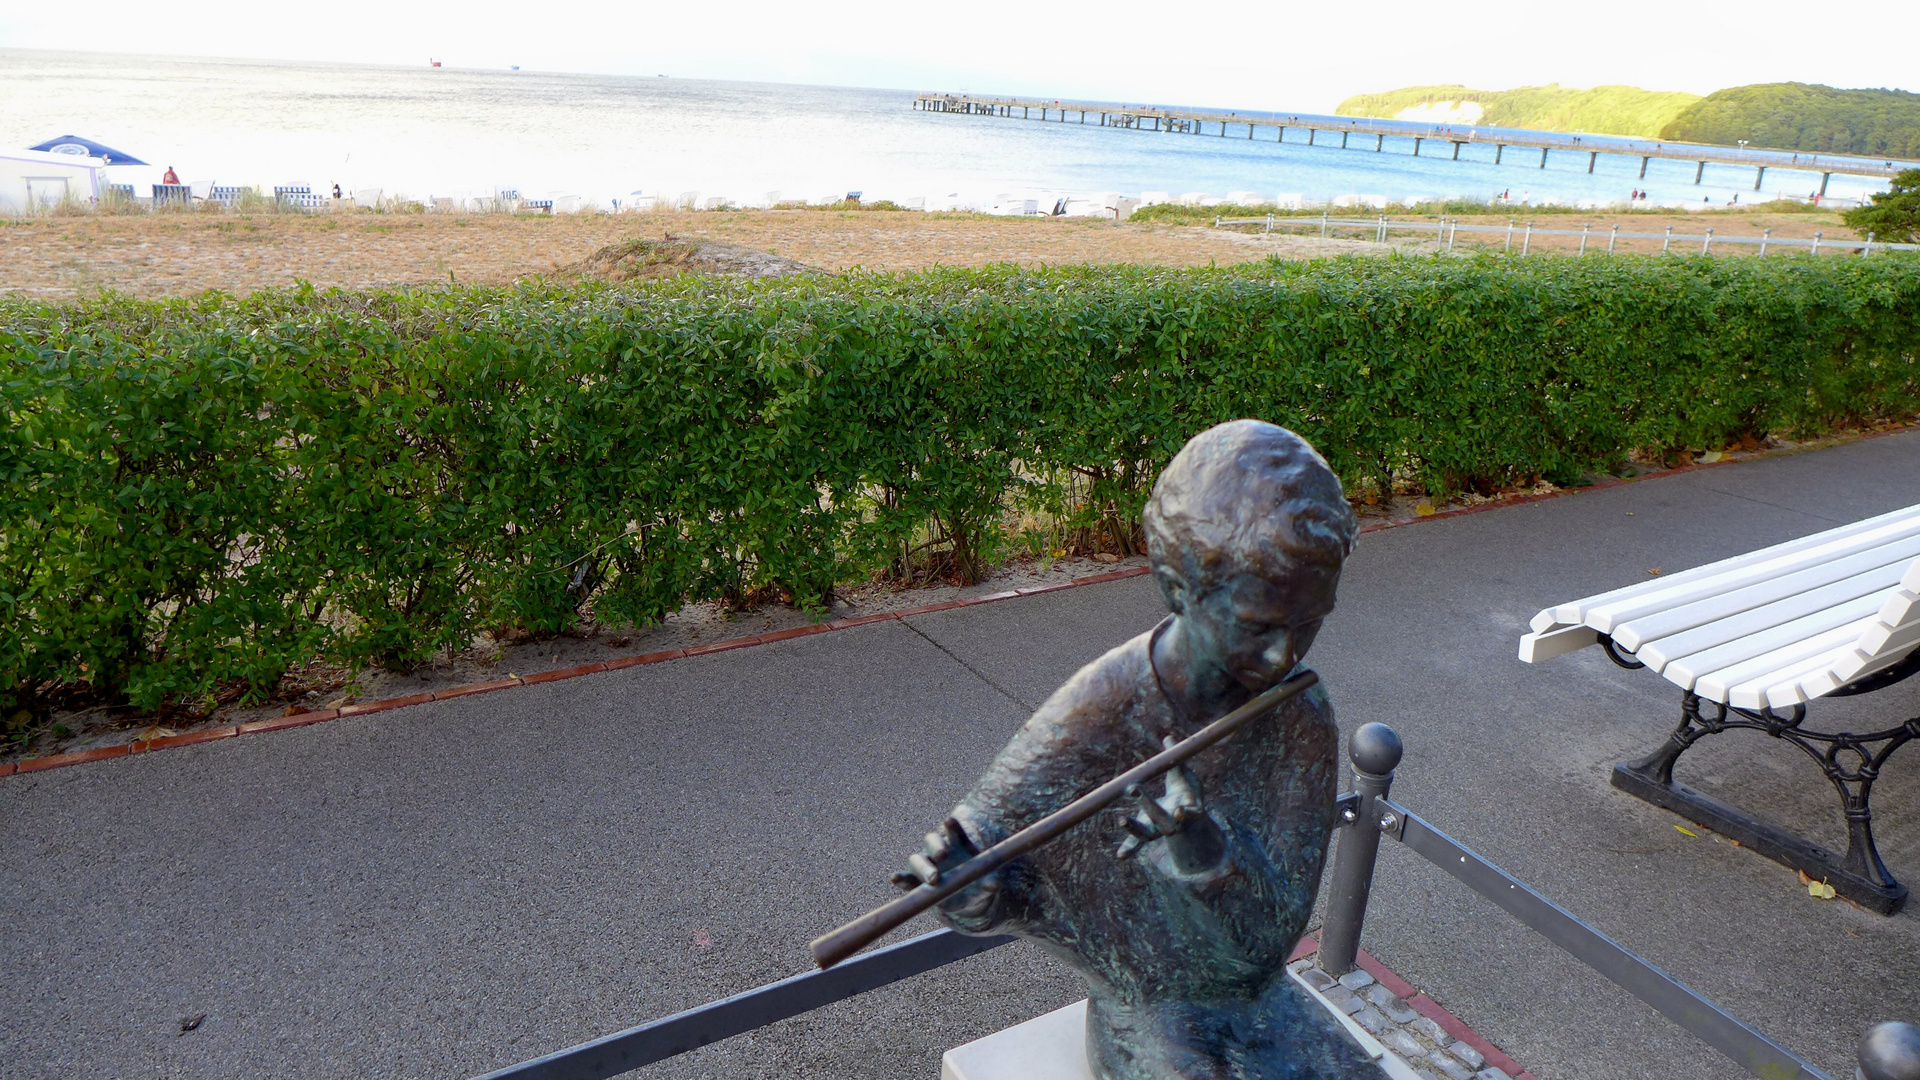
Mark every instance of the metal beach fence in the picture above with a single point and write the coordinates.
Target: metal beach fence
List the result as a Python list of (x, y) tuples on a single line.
[(1448, 228), (1888, 1051)]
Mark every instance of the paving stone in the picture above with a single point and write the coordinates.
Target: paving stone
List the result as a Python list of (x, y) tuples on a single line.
[(1317, 979), (1468, 1054), (1356, 980), (1425, 1074), (1404, 1044), (1301, 965), (1492, 1072), (1371, 1019), (1345, 1000), (1427, 1026), (1397, 1010), (1446, 1064)]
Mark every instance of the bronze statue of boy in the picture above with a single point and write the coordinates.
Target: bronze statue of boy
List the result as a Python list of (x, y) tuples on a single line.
[(1184, 926)]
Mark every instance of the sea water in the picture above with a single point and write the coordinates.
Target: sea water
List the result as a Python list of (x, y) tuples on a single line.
[(425, 132)]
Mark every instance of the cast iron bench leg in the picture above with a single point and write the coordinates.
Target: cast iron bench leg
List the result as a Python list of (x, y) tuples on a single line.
[(1851, 762)]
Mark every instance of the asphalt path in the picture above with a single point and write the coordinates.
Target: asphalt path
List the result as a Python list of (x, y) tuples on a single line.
[(450, 888)]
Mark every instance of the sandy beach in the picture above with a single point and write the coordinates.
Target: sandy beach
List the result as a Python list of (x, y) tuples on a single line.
[(154, 255)]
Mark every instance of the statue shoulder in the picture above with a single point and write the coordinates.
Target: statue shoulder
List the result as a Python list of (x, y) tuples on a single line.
[(1116, 684), (1076, 734)]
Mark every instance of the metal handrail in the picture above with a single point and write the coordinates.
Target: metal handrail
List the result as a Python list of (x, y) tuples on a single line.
[(691, 1029), (1366, 814)]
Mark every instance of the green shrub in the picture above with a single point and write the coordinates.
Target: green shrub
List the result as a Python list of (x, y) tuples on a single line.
[(201, 494), (1893, 215)]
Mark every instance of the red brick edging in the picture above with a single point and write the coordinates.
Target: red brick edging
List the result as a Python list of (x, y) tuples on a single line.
[(81, 757), (281, 723), (1419, 1002)]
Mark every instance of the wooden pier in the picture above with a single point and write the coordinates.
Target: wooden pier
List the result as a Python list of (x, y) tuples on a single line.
[(1173, 121)]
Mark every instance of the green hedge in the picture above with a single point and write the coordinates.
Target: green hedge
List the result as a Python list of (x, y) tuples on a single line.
[(201, 494)]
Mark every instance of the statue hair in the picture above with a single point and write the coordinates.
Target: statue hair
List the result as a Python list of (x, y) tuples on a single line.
[(1248, 496)]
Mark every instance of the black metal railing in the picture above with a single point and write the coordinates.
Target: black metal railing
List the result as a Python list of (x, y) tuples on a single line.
[(1888, 1051)]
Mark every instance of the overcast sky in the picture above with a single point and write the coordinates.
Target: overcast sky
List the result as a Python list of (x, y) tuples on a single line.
[(1231, 53)]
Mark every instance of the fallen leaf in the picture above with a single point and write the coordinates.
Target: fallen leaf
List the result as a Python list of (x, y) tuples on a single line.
[(1712, 456), (702, 938), (1820, 890), (191, 1022), (1424, 509), (1106, 557), (1655, 572), (1688, 831), (1058, 553)]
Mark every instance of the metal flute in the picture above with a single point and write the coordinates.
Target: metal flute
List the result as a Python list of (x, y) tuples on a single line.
[(831, 948)]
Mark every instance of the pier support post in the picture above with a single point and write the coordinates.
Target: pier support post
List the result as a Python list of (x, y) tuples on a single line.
[(1249, 131), (1592, 157), (1499, 149), (1379, 143), (1311, 132), (1759, 176), (1643, 167), (1416, 146), (1343, 139), (1280, 134), (1824, 177), (1456, 151), (1699, 172), (1543, 157)]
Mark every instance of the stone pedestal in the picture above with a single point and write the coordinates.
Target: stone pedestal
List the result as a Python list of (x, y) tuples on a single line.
[(1054, 1047)]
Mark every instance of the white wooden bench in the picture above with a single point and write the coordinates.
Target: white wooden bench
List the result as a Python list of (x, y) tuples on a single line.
[(1751, 641)]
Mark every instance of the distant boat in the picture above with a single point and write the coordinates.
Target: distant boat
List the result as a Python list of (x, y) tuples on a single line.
[(513, 67), (433, 63)]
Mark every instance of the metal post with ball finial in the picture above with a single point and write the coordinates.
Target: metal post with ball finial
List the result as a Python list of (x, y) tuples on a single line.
[(1375, 751)]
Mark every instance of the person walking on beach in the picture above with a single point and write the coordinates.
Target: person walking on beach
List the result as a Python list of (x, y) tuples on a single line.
[(170, 177)]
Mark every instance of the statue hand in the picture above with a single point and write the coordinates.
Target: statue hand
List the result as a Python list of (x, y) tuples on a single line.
[(946, 848), (1194, 840)]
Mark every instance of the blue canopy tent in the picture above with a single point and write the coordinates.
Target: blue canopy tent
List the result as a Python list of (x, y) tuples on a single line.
[(79, 147)]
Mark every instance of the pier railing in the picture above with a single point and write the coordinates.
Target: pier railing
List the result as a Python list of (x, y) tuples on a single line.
[(1224, 123), (1446, 229), (1889, 1051)]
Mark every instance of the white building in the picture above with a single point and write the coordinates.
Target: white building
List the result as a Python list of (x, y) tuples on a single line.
[(36, 180)]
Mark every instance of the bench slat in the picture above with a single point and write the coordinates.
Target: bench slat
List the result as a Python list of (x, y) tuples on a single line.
[(1826, 682), (1768, 668), (1883, 640), (1573, 612), (1860, 574), (1862, 592), (1783, 688), (1537, 647), (1603, 617)]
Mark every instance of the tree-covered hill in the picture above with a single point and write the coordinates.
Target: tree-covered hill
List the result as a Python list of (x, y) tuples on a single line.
[(1803, 116), (1603, 110)]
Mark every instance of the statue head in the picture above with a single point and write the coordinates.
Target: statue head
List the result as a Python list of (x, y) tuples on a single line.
[(1247, 529)]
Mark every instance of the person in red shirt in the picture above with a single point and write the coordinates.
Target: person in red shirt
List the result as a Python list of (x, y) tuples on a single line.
[(170, 177)]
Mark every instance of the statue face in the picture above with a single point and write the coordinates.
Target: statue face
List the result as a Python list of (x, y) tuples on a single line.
[(1256, 628)]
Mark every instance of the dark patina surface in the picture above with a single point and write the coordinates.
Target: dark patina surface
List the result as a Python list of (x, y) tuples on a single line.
[(1182, 909)]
